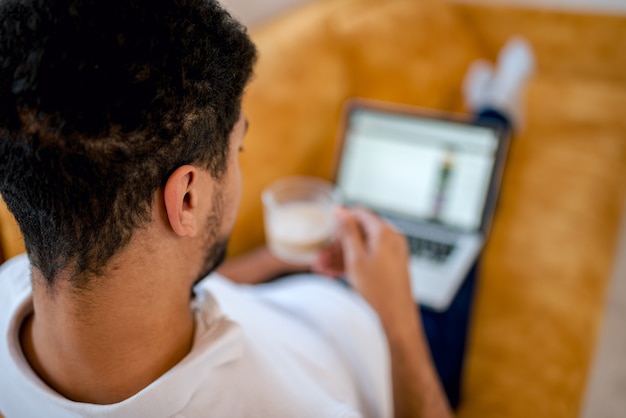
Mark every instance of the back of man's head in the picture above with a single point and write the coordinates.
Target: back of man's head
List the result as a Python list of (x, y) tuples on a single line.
[(99, 102)]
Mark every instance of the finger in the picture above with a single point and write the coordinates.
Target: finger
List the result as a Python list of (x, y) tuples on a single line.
[(323, 260), (372, 224), (326, 263), (373, 220), (351, 237)]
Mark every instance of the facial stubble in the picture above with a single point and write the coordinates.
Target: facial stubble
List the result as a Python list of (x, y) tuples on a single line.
[(215, 245)]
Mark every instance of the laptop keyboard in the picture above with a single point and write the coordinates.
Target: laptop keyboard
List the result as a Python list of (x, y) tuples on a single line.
[(433, 250)]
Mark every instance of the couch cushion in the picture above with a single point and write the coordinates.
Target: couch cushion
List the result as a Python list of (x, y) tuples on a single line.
[(407, 51)]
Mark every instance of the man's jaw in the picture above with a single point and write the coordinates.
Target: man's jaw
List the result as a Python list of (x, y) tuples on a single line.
[(216, 254)]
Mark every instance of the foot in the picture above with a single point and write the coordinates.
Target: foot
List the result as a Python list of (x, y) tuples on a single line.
[(476, 82), (503, 91)]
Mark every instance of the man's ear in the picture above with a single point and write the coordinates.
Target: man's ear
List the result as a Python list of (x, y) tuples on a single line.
[(181, 200)]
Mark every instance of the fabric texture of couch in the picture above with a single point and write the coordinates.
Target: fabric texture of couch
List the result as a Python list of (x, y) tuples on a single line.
[(541, 291)]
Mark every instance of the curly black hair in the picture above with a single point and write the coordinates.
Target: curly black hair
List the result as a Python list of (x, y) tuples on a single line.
[(100, 101)]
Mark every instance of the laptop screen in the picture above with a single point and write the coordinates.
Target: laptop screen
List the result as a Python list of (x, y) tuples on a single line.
[(417, 167)]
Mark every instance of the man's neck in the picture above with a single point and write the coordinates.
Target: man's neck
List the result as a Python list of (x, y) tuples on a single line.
[(105, 344)]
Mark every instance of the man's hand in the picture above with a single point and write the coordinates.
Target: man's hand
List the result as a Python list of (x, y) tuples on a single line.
[(330, 260), (373, 256)]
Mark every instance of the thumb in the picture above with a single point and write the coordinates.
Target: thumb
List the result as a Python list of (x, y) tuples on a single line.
[(351, 236)]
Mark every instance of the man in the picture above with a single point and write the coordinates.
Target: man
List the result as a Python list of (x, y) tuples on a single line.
[(120, 124)]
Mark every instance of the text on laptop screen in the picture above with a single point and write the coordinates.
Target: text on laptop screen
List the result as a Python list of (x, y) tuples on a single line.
[(420, 168)]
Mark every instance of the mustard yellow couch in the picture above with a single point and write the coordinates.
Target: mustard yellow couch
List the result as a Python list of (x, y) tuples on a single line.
[(541, 291)]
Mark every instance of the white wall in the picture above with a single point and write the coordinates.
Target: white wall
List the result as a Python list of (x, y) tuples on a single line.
[(592, 6), (251, 12)]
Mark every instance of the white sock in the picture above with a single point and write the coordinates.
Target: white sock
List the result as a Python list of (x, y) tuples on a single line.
[(504, 91), (476, 83), (516, 64)]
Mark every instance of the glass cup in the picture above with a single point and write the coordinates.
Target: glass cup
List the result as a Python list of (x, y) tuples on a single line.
[(299, 218)]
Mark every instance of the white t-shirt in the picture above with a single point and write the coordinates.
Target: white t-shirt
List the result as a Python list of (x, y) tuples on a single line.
[(301, 347)]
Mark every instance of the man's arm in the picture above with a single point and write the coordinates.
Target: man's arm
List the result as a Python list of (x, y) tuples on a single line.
[(374, 259), (256, 267)]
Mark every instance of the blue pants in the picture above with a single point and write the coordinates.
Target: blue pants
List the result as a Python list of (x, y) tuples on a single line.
[(447, 331), (447, 336)]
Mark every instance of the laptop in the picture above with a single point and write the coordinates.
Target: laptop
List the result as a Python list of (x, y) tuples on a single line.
[(435, 176)]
